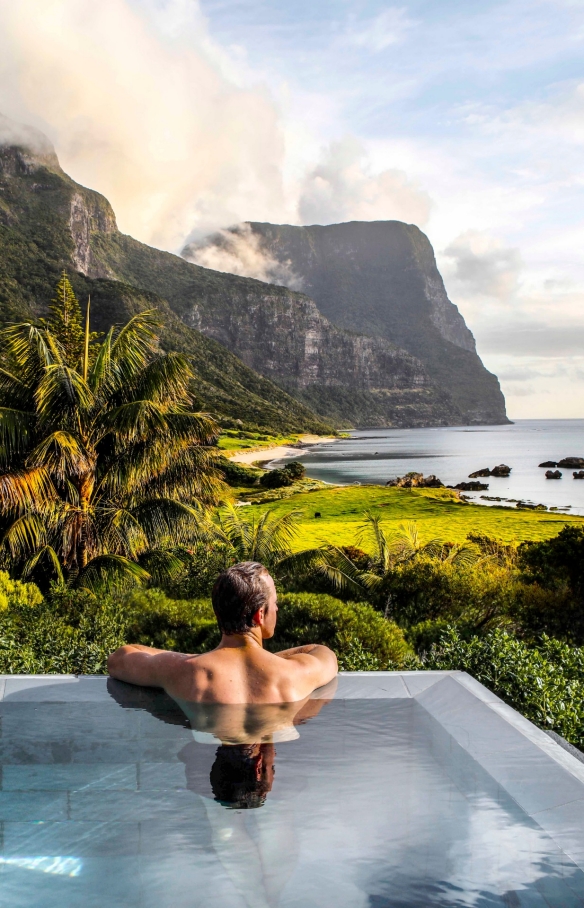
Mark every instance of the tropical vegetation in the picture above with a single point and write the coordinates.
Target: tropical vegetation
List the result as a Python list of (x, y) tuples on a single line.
[(118, 510), (103, 458)]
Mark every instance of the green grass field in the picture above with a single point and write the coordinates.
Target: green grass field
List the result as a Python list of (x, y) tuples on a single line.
[(437, 513), (230, 442)]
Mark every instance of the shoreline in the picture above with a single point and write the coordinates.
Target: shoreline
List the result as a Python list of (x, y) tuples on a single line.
[(264, 455)]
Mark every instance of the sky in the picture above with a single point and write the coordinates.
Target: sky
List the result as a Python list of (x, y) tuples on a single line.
[(466, 119)]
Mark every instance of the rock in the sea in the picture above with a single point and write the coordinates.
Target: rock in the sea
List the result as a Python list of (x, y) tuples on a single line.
[(571, 462), (578, 475), (484, 472), (471, 486), (416, 481), (531, 507), (501, 470), (553, 474), (548, 463)]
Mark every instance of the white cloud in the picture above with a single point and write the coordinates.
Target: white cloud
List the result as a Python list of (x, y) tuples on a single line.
[(482, 266), (238, 251), (343, 187), (139, 106)]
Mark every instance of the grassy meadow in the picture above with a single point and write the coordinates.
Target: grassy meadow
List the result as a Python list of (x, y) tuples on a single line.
[(437, 512)]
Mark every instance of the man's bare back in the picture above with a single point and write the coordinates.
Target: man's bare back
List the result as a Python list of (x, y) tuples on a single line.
[(239, 670)]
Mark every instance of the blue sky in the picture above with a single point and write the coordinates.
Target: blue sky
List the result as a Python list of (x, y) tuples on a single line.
[(464, 118)]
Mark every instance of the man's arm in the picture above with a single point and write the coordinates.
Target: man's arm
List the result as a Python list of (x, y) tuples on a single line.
[(145, 665), (317, 664)]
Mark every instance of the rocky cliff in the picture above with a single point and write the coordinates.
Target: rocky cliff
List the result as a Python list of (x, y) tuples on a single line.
[(380, 278), (47, 223), (349, 377)]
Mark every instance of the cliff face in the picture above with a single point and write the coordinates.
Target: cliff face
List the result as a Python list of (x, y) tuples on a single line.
[(381, 278), (349, 378), (48, 222)]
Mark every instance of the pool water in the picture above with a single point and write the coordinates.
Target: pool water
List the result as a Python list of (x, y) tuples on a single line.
[(371, 802)]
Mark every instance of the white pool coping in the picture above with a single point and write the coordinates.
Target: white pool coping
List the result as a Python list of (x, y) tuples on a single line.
[(543, 778)]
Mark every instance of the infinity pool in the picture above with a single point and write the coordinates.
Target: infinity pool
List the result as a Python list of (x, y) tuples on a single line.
[(405, 790)]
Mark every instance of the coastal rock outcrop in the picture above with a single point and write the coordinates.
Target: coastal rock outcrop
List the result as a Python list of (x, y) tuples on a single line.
[(578, 475), (416, 481), (571, 462), (501, 470), (548, 463), (553, 474), (471, 486)]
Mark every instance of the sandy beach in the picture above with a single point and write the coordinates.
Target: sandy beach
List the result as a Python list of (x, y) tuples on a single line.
[(262, 455)]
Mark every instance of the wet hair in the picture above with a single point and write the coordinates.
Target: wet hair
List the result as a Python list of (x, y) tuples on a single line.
[(233, 777), (237, 595)]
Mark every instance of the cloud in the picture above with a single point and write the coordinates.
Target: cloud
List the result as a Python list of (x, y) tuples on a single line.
[(343, 188), (238, 251), (379, 32), (482, 266), (139, 104), (524, 338)]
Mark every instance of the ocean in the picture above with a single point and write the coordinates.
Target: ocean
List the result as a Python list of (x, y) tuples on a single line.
[(377, 455)]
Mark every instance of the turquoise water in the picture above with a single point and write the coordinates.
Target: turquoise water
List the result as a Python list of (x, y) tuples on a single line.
[(377, 455), (109, 804)]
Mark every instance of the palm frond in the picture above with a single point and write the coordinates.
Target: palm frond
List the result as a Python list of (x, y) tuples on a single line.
[(31, 348), (162, 565), (101, 374), (62, 454), (407, 544), (329, 562), (16, 431), (109, 571), (46, 553), (62, 393), (137, 420), (165, 518), (24, 536), (135, 344), (166, 379), (23, 490)]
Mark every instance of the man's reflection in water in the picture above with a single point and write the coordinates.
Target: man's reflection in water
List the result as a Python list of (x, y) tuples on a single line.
[(243, 774), (258, 849)]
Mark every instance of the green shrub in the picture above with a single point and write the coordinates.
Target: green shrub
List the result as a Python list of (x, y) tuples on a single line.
[(236, 474), (544, 683), (276, 479), (14, 593), (153, 619), (553, 572), (426, 589), (310, 618), (201, 567), (36, 640), (295, 469)]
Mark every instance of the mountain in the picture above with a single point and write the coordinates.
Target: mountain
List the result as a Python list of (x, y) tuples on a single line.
[(47, 222), (380, 278), (263, 352)]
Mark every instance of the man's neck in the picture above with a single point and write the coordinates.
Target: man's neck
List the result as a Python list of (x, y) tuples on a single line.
[(251, 639)]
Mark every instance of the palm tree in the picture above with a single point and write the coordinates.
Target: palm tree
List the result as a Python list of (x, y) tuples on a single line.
[(341, 570), (266, 538), (103, 463)]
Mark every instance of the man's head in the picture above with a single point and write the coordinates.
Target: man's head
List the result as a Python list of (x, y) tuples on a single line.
[(244, 597), (243, 774)]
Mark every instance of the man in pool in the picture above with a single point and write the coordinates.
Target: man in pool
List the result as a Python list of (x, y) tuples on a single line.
[(239, 670)]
